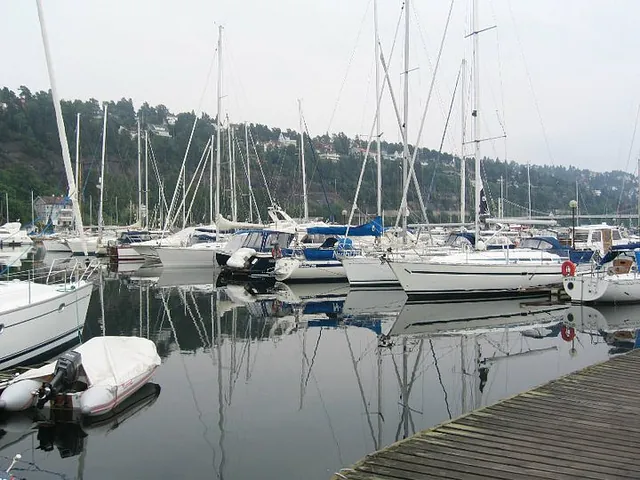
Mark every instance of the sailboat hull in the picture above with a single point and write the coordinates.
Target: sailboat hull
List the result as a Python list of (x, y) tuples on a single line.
[(55, 316), (452, 281), (623, 288), (369, 272)]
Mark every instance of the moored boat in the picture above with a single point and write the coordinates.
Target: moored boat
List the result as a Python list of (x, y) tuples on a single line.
[(92, 379)]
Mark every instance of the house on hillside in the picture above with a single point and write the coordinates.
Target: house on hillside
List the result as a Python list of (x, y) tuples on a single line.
[(331, 156), (285, 141), (159, 130), (54, 210)]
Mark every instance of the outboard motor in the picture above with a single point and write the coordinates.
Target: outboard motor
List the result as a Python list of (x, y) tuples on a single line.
[(64, 376)]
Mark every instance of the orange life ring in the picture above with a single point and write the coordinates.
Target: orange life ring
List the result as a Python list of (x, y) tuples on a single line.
[(568, 268), (568, 334)]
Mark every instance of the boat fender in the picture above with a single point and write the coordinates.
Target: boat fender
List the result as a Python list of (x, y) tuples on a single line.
[(20, 395), (568, 334), (568, 269)]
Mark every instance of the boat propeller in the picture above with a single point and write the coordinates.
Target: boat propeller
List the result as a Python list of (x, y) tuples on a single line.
[(65, 375)]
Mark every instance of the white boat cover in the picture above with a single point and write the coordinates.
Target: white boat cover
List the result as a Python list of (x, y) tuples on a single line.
[(109, 361), (238, 259), (224, 224)]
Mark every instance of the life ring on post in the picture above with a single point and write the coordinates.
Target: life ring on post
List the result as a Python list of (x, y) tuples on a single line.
[(567, 333), (568, 269)]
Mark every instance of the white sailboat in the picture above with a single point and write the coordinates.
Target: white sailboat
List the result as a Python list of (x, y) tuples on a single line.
[(481, 273), (36, 318)]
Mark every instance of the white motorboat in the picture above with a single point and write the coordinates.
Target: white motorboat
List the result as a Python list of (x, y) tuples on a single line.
[(504, 273), (110, 369), (11, 235), (198, 255), (182, 238), (293, 269), (37, 318)]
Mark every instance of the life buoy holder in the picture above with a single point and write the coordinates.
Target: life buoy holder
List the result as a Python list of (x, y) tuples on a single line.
[(568, 268), (567, 333)]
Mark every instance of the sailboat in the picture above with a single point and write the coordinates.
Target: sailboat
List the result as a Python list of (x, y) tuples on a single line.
[(38, 317), (505, 272)]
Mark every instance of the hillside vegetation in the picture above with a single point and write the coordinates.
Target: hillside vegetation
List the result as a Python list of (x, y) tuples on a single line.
[(30, 161)]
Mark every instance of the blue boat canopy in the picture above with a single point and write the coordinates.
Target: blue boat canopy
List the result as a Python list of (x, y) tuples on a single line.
[(372, 228)]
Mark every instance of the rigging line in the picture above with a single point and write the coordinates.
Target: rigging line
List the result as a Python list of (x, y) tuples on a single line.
[(437, 90), (633, 139), (444, 133), (500, 80), (252, 197), (444, 390), (315, 159), (313, 359), (264, 178), (412, 161), (208, 79), (322, 402), (361, 389), (533, 93), (346, 74), (193, 393)]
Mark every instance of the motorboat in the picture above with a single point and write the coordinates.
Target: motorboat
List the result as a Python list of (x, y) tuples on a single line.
[(11, 235), (92, 379), (37, 318)]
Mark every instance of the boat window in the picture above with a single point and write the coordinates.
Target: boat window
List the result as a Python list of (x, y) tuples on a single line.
[(530, 243), (616, 235), (254, 240), (581, 236), (544, 245), (596, 236)]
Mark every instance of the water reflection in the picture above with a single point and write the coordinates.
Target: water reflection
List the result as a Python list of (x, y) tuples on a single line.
[(299, 381)]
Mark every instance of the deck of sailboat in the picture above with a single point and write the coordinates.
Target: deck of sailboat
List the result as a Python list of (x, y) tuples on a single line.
[(582, 425)]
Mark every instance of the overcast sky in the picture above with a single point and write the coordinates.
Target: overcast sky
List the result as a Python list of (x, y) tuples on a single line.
[(575, 59)]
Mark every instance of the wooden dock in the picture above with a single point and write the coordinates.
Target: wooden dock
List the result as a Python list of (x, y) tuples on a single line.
[(583, 425)]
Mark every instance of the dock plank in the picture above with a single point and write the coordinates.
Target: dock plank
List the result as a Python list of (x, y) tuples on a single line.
[(583, 425)]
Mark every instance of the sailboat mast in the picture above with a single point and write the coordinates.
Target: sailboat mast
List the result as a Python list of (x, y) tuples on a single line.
[(378, 151), (140, 177), (104, 154), (246, 146), (463, 166), (234, 191), (476, 123), (146, 181), (302, 165), (211, 167), (62, 134), (218, 139), (405, 154), (78, 150), (529, 187)]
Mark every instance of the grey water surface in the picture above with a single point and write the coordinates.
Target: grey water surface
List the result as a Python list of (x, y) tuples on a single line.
[(297, 382)]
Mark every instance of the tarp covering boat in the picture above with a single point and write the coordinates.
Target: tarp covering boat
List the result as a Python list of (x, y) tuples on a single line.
[(372, 228), (109, 361)]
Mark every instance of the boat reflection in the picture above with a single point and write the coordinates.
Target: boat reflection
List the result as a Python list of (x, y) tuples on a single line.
[(70, 439)]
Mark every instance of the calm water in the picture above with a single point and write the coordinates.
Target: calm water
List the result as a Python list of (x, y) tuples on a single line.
[(301, 381)]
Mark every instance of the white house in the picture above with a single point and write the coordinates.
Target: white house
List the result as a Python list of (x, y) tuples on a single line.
[(54, 210), (285, 141)]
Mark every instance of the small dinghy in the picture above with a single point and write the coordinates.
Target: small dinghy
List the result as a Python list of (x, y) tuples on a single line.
[(91, 380)]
